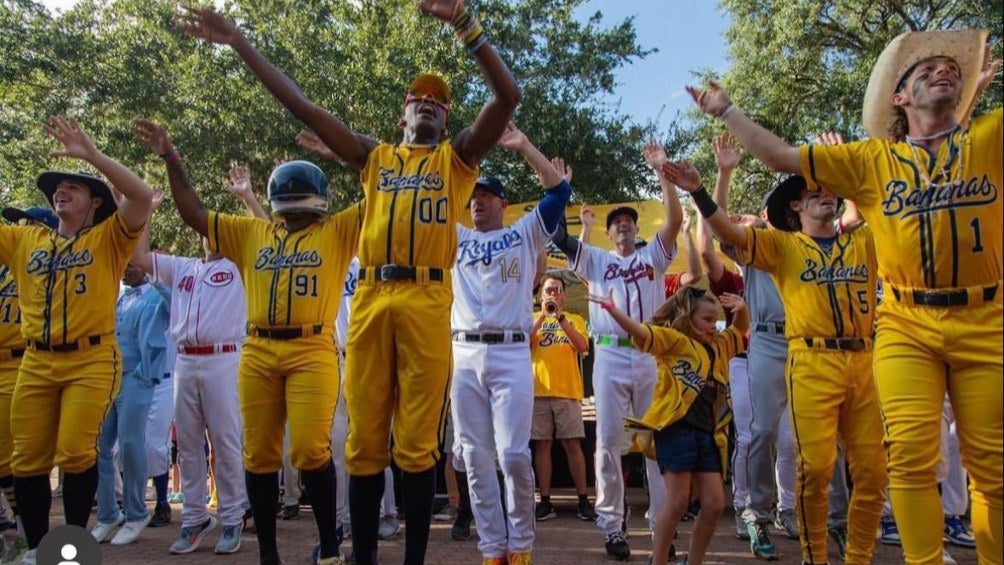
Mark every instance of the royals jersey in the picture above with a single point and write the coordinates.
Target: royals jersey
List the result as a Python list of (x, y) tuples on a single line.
[(290, 278), (636, 282), (555, 360), (68, 286), (207, 299), (825, 294), (10, 311), (938, 218), (348, 291), (414, 195), (494, 274)]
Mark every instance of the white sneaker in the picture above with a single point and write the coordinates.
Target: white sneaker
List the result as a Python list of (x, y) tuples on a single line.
[(130, 531), (103, 530), (29, 557), (947, 558)]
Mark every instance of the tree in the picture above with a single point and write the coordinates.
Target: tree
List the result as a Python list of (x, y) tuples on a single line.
[(106, 62)]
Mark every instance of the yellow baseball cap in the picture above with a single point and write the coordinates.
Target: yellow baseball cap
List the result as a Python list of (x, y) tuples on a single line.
[(431, 84)]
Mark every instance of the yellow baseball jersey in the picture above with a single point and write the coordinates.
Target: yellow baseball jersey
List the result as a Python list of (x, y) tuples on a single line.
[(555, 360), (291, 279), (684, 366), (824, 294), (414, 196), (939, 218), (10, 311), (68, 286)]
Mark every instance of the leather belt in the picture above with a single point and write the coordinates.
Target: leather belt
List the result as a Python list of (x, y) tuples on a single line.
[(614, 340), (82, 343), (839, 343), (284, 332), (386, 273), (10, 354), (489, 337), (770, 327), (946, 298), (208, 349)]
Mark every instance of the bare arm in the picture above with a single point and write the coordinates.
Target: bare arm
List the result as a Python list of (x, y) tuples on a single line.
[(136, 203), (240, 186), (515, 140), (190, 207), (693, 273), (141, 255), (712, 263), (987, 75), (655, 156), (205, 24), (632, 327), (758, 140), (588, 218), (740, 314), (578, 341), (685, 175)]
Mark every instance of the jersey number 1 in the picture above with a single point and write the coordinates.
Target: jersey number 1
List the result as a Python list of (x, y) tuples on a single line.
[(977, 241)]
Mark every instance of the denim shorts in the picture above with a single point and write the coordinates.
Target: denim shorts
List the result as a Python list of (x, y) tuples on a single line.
[(682, 448)]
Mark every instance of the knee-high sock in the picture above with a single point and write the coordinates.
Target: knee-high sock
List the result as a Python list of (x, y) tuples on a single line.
[(263, 493), (78, 495), (419, 491), (320, 486), (35, 516), (365, 492), (160, 484)]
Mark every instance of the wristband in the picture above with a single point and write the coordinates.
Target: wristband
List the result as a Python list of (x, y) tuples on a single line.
[(561, 317), (705, 204), (606, 306), (725, 111), (473, 46), (171, 156)]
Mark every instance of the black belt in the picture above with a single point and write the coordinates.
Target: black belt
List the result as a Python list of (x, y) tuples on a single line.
[(770, 327), (944, 298), (837, 343), (489, 337), (397, 273), (89, 341), (284, 332), (13, 353)]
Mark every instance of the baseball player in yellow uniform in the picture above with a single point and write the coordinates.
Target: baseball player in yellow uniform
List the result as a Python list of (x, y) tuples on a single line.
[(929, 188), (827, 283), (68, 282), (293, 271), (398, 358)]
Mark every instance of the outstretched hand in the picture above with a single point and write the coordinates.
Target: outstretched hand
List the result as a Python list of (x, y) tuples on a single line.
[(152, 135), (989, 70), (732, 302), (443, 10), (655, 154), (564, 170), (309, 140), (240, 180), (75, 142), (587, 217), (683, 174), (206, 24), (512, 138), (726, 153), (713, 101), (829, 138), (607, 302)]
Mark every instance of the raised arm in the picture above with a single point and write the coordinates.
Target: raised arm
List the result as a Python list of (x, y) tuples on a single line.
[(632, 327), (588, 218), (685, 175), (712, 263), (655, 156), (190, 207), (206, 24), (987, 74), (740, 314), (515, 140), (693, 273), (142, 258), (240, 186), (758, 140), (136, 203), (475, 141)]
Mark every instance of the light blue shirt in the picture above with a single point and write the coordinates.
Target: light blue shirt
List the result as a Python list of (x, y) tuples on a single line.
[(141, 319)]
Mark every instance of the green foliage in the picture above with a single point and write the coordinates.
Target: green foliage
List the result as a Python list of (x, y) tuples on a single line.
[(800, 68), (108, 61)]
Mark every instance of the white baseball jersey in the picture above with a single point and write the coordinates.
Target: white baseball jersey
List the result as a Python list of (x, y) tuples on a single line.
[(493, 276), (349, 290), (208, 304), (636, 281)]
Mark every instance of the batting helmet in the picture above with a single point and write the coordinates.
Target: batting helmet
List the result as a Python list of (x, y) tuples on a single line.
[(298, 186)]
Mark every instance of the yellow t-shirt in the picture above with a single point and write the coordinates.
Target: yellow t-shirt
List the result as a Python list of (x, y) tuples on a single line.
[(68, 286), (824, 295), (414, 195), (290, 279), (946, 234), (10, 311), (555, 360)]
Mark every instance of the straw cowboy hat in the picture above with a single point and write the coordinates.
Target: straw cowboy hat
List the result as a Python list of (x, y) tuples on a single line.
[(964, 46)]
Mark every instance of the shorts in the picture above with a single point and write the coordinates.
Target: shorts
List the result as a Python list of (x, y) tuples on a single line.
[(559, 418), (682, 448)]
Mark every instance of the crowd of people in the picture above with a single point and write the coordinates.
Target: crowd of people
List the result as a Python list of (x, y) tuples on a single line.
[(321, 346)]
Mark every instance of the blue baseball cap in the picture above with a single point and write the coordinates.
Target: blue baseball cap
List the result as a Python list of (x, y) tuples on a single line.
[(35, 214), (492, 185)]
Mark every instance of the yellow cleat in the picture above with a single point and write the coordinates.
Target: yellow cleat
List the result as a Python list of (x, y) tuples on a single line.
[(524, 558)]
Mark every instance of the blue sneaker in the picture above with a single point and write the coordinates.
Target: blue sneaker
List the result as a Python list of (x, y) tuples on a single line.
[(760, 544), (957, 532), (890, 533)]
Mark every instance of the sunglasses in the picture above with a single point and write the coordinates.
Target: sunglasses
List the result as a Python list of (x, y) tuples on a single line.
[(431, 96)]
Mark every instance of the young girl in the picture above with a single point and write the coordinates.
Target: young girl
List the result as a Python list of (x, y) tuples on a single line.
[(690, 407)]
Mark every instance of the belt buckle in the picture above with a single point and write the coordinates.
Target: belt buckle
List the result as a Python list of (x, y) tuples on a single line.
[(388, 272), (491, 337), (853, 345)]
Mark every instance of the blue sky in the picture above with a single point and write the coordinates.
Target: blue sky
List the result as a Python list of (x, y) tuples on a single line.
[(690, 35)]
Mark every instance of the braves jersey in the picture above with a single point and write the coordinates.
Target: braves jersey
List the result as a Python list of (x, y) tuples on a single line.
[(290, 278), (10, 312), (414, 195), (938, 217), (68, 286), (493, 275), (636, 281), (825, 294), (555, 360), (207, 299), (348, 291)]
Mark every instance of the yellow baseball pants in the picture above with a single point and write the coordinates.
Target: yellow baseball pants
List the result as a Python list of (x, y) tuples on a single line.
[(8, 377)]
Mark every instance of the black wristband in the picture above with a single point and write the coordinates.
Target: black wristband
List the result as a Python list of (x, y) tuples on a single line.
[(561, 317), (705, 204)]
